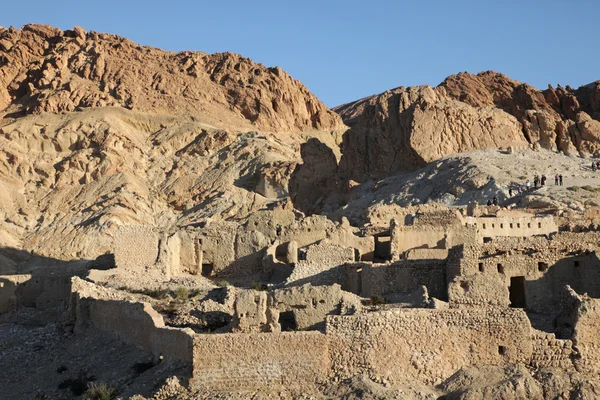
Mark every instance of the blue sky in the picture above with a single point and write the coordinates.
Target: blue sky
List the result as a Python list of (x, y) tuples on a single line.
[(345, 50)]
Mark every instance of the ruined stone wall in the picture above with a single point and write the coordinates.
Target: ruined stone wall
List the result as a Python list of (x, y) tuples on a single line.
[(586, 335), (287, 360), (42, 291), (8, 289), (546, 266), (323, 265), (403, 277), (513, 226), (136, 247), (404, 238), (426, 346), (426, 254), (550, 352), (133, 322)]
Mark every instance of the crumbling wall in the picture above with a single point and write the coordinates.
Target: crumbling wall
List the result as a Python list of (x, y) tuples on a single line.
[(8, 289), (544, 267), (42, 291), (586, 336), (134, 322), (239, 361), (136, 247), (323, 265), (478, 291), (426, 346), (513, 226), (403, 277), (405, 238)]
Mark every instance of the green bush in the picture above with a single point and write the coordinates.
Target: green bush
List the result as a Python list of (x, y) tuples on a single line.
[(100, 391), (223, 284), (573, 188), (378, 300), (258, 286), (182, 293)]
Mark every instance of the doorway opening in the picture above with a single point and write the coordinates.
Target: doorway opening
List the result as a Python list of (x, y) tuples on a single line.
[(517, 292), (207, 269), (287, 321)]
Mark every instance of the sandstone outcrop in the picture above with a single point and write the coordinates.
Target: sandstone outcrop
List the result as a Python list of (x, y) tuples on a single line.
[(97, 131), (43, 69), (405, 128)]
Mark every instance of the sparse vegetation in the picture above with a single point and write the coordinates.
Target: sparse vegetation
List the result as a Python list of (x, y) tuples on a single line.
[(79, 385), (573, 188), (378, 300), (100, 391), (258, 286), (223, 284), (182, 293)]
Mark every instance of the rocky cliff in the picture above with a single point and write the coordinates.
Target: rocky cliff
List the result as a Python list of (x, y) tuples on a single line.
[(405, 128), (44, 69), (97, 131)]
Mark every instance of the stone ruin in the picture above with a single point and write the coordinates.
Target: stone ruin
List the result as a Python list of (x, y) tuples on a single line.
[(410, 301)]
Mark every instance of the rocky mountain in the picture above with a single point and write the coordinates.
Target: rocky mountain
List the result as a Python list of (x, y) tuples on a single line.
[(405, 128), (97, 131)]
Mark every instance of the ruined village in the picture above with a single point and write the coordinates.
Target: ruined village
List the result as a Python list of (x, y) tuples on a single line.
[(199, 226)]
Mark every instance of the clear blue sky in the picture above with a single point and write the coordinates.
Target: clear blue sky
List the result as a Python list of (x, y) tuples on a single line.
[(345, 50)]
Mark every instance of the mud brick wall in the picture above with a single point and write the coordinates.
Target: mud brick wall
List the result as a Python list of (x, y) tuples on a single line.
[(426, 346), (404, 277), (136, 247), (260, 360)]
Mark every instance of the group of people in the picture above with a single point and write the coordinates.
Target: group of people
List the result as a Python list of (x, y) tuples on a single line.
[(537, 181), (595, 165), (494, 201)]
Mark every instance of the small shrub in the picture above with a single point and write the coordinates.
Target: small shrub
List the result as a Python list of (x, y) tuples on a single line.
[(377, 300), (223, 284), (77, 385), (258, 286), (100, 391), (573, 188), (182, 293), (194, 293), (522, 178), (154, 293)]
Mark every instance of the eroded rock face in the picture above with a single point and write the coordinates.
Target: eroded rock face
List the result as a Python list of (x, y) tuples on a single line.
[(44, 69), (97, 131), (404, 128)]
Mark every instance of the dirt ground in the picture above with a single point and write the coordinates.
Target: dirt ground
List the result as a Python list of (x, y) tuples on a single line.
[(39, 360)]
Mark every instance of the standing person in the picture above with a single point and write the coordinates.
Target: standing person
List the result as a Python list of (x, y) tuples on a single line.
[(489, 203), (560, 179), (510, 191), (495, 201), (528, 184), (556, 179), (536, 180), (543, 180), (593, 165), (597, 164)]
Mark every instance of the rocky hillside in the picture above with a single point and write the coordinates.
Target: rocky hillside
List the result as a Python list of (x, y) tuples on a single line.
[(44, 69), (97, 131), (405, 128)]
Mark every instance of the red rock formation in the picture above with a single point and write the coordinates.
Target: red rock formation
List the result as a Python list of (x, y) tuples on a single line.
[(43, 69)]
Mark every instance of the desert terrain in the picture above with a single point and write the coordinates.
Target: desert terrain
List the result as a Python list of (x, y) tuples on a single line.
[(200, 226)]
